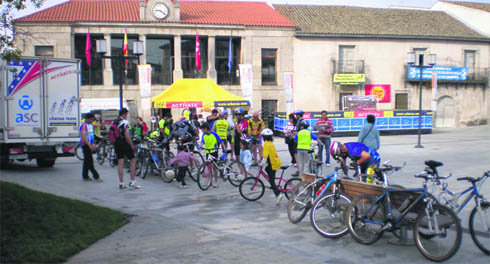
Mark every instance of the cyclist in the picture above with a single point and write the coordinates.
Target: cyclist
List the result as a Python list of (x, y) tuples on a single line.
[(271, 161), (161, 124), (221, 128), (182, 131), (303, 140), (240, 128), (256, 125), (363, 156), (211, 140)]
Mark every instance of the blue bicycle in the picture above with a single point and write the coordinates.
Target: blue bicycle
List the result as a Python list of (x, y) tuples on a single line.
[(479, 221), (436, 228)]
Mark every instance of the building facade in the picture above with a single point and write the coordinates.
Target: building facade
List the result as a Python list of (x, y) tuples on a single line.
[(258, 34), (348, 42)]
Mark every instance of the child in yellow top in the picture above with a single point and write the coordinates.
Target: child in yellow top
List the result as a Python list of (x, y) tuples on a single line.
[(272, 162)]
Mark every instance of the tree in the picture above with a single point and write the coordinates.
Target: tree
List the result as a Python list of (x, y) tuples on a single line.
[(8, 51)]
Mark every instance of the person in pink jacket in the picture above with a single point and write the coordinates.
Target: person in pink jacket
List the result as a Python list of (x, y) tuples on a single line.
[(182, 162)]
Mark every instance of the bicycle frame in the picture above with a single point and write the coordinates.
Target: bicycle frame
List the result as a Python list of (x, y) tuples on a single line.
[(332, 179), (266, 177), (472, 191)]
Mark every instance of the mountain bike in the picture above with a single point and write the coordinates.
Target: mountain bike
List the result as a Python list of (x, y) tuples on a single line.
[(253, 188), (227, 171), (436, 229), (479, 220), (157, 159)]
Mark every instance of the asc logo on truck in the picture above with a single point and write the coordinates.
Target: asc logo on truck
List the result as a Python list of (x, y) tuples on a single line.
[(26, 104)]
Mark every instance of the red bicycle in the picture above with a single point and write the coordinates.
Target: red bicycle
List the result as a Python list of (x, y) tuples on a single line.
[(253, 188)]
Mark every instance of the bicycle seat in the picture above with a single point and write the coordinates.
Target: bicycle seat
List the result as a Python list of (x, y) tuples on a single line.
[(310, 151), (284, 167), (433, 164)]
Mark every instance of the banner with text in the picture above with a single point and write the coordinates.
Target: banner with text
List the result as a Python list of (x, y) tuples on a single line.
[(144, 77), (246, 81), (355, 79)]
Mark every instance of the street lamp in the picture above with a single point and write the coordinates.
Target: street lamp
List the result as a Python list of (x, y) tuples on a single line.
[(101, 48), (411, 62)]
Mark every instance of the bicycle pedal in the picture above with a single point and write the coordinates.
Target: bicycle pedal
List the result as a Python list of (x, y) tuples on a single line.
[(385, 227)]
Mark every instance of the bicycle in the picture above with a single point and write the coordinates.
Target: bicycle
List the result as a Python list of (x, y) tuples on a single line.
[(157, 159), (252, 188), (193, 169), (101, 154), (369, 216), (315, 164), (479, 220), (228, 171)]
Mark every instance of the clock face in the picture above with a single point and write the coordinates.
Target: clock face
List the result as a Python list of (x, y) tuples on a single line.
[(160, 11)]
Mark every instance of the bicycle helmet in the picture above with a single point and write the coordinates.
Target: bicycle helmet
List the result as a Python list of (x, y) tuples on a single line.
[(224, 112), (299, 112), (336, 149), (304, 124), (267, 132), (239, 111)]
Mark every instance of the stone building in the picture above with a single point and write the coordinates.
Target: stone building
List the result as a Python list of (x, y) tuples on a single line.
[(260, 36), (335, 41)]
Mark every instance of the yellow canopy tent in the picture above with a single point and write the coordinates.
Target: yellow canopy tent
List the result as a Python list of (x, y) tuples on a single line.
[(196, 93)]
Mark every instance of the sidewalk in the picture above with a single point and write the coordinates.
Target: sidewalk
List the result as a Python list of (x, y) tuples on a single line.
[(171, 225)]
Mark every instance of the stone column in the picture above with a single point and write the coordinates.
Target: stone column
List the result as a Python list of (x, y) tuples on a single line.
[(178, 73), (142, 58), (211, 59), (107, 75)]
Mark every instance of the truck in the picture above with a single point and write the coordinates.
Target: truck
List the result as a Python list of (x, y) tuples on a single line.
[(39, 109)]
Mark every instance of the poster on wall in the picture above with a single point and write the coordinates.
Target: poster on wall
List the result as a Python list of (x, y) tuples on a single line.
[(359, 103), (144, 75), (246, 81), (288, 91), (382, 92)]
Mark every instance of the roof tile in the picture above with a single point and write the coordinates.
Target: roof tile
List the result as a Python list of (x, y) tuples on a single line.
[(342, 20), (479, 6), (192, 12)]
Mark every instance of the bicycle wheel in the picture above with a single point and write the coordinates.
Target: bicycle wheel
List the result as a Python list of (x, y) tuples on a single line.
[(364, 219), (252, 189), (328, 215), (140, 156), (194, 167), (101, 154), (164, 166), (289, 186), (146, 166), (299, 202), (480, 227), (445, 243), (205, 177), (79, 151), (235, 173), (111, 154)]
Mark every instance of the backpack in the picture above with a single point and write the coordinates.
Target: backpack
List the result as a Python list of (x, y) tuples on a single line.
[(114, 133)]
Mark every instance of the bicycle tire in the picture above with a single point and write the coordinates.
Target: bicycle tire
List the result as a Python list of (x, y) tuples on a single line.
[(299, 202), (252, 189), (236, 173), (327, 215), (139, 162), (289, 186), (112, 157), (100, 157), (79, 151), (362, 232), (452, 232), (481, 237), (194, 167), (205, 177), (146, 167), (164, 167)]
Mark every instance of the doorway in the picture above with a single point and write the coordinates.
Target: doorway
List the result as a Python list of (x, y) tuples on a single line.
[(445, 112), (269, 107)]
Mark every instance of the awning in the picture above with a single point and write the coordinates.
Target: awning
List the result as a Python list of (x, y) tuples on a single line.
[(90, 104), (197, 93)]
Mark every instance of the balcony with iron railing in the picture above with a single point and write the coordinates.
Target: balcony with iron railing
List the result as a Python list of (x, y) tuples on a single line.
[(348, 66)]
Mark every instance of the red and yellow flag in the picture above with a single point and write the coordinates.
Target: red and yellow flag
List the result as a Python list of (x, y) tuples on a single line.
[(125, 45)]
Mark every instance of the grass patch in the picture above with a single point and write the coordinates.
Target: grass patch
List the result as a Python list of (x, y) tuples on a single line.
[(41, 227)]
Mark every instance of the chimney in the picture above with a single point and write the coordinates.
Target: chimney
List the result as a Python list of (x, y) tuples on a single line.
[(177, 11), (143, 10)]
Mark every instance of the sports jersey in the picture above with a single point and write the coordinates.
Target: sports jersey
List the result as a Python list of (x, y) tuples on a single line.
[(355, 150), (271, 153), (211, 142), (221, 127), (255, 126), (88, 130)]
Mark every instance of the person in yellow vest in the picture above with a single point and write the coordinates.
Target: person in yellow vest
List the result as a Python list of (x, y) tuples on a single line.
[(221, 128), (303, 139), (97, 124), (211, 142), (161, 124), (271, 161), (186, 113), (255, 127)]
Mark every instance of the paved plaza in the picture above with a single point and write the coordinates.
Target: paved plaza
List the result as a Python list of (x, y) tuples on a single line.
[(172, 225)]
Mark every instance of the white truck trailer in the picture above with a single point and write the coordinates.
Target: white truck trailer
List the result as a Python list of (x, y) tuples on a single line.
[(39, 109)]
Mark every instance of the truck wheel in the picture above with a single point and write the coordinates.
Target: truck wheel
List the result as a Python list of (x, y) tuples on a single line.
[(43, 163)]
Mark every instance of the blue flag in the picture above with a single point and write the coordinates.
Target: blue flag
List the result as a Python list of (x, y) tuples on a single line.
[(230, 56)]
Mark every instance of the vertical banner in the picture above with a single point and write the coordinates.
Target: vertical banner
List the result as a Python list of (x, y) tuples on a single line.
[(246, 81), (144, 75), (434, 91), (288, 91), (381, 91)]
